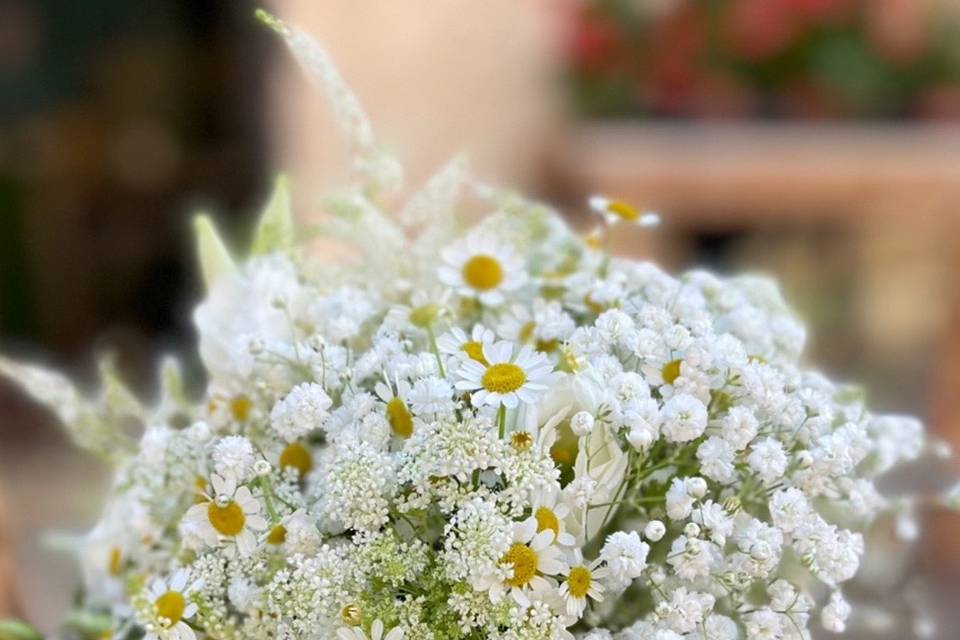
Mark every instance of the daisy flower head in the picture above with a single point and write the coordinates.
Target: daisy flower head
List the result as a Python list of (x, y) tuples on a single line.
[(398, 411), (482, 266), (531, 559), (424, 309), (583, 580), (507, 379), (616, 211), (551, 514), (457, 344), (231, 515), (376, 632), (169, 606)]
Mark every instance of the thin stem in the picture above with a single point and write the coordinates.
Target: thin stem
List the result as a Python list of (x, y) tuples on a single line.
[(502, 420), (436, 350)]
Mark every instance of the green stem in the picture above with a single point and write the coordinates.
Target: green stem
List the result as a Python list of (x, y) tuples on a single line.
[(436, 350), (267, 487), (502, 420)]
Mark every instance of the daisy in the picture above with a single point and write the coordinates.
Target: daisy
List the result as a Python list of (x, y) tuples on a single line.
[(506, 379), (376, 633), (231, 515), (583, 580), (480, 266), (530, 560), (460, 346), (422, 312), (551, 514), (170, 606), (615, 211), (398, 411)]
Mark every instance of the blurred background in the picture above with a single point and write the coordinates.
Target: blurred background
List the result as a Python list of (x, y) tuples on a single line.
[(815, 140)]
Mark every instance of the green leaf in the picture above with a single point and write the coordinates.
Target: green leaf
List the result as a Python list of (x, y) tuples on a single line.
[(215, 258), (17, 630), (275, 231)]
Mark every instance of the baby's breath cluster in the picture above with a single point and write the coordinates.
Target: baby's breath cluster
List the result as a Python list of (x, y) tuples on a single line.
[(497, 431)]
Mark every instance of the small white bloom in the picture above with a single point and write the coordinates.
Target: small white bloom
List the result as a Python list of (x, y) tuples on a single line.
[(508, 379), (482, 266), (654, 530), (768, 459), (626, 557), (683, 418), (582, 423), (301, 411), (233, 457), (376, 633)]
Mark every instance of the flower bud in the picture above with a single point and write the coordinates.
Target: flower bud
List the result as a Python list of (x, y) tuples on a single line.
[(582, 423), (654, 531)]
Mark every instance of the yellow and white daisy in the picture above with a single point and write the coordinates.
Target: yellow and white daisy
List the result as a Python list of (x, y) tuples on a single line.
[(398, 411), (616, 211), (169, 606), (376, 633), (583, 581), (457, 344), (421, 313), (231, 515), (551, 514), (481, 266), (530, 561), (506, 379)]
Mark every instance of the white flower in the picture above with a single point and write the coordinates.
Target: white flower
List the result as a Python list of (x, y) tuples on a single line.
[(834, 615), (529, 562), (376, 633), (508, 379), (431, 396), (626, 557), (301, 411), (789, 508), (233, 457), (679, 500), (232, 514), (483, 267), (582, 423), (615, 211), (683, 418), (583, 581), (716, 457), (768, 459), (764, 624), (551, 515), (170, 607), (654, 530), (460, 346), (739, 427)]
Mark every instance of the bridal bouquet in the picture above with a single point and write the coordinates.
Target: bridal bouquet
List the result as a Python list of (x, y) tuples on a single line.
[(483, 431)]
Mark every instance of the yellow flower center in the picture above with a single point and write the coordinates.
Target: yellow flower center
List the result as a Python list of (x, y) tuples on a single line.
[(623, 210), (547, 519), (240, 407), (351, 614), (521, 440), (474, 351), (400, 419), (297, 456), (504, 377), (424, 315), (547, 346), (483, 272), (671, 371), (277, 535), (171, 606), (115, 563), (228, 520), (525, 562), (593, 305), (579, 581), (527, 331)]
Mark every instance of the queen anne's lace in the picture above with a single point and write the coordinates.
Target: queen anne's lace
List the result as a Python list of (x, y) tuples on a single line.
[(501, 432)]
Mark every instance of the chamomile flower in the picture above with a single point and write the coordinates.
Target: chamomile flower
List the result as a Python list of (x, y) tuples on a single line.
[(231, 515), (551, 514), (169, 606), (422, 312), (616, 211), (583, 580), (484, 267), (457, 344), (376, 632), (398, 411), (530, 561), (507, 378)]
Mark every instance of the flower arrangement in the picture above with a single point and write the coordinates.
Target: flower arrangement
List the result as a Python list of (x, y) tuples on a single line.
[(472, 432), (768, 58)]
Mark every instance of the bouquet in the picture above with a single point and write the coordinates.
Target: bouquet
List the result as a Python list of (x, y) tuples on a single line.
[(457, 431)]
